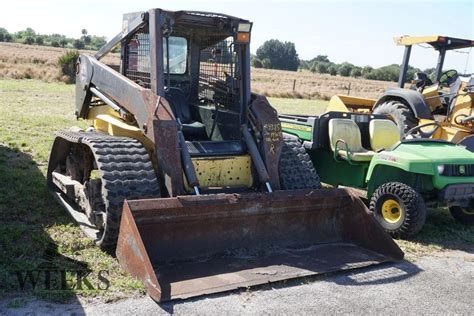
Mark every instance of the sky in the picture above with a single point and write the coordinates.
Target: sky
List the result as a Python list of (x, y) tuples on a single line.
[(360, 32)]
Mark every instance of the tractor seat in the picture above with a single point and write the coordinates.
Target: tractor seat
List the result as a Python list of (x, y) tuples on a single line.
[(181, 109), (383, 134), (453, 92), (345, 140)]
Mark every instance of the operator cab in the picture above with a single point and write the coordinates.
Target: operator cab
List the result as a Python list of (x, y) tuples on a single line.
[(440, 95), (204, 59), (440, 91)]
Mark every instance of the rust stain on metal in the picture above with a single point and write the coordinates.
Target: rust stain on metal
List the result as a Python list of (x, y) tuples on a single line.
[(267, 121), (196, 245)]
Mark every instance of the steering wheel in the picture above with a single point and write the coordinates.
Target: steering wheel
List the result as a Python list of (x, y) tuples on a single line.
[(418, 129), (448, 77)]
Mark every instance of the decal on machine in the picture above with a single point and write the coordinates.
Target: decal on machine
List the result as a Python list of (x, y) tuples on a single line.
[(272, 135)]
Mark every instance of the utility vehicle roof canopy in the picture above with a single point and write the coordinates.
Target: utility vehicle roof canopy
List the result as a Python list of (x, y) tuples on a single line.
[(437, 41), (440, 43)]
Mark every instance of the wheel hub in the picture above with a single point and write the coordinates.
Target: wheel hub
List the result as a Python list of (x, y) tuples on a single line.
[(391, 211)]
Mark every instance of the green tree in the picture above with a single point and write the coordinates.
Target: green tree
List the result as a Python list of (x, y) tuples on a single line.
[(304, 64), (356, 72), (39, 40), (8, 37), (63, 42), (87, 40), (30, 32), (97, 42), (29, 40), (366, 71), (385, 73), (345, 69), (23, 35), (322, 67), (3, 33), (78, 44), (266, 63), (282, 55), (257, 63), (332, 70), (321, 59), (55, 43)]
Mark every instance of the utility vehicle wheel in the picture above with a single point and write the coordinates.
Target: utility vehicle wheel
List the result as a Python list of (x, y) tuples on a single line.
[(296, 168), (399, 209), (462, 215), (400, 113)]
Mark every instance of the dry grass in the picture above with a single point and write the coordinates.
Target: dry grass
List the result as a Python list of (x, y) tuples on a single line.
[(19, 61), (279, 83)]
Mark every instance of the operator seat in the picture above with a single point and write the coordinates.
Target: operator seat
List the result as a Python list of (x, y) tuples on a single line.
[(421, 81), (345, 140), (383, 133), (453, 92), (181, 109)]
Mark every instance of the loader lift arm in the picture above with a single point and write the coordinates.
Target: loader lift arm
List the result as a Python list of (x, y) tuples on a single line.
[(153, 114)]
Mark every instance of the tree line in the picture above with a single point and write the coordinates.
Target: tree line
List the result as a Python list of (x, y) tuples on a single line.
[(30, 37), (274, 54)]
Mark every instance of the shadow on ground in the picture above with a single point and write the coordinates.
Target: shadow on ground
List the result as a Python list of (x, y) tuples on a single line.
[(373, 275), (30, 263)]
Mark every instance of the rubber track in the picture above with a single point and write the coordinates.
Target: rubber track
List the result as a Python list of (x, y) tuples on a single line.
[(127, 173)]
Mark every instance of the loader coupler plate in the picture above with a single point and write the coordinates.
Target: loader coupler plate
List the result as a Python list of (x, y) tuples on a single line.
[(193, 245)]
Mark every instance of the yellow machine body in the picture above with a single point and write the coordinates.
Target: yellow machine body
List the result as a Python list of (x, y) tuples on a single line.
[(345, 103), (212, 172)]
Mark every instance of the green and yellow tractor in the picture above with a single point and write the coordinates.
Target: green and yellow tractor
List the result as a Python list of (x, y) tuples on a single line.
[(400, 178), (439, 108)]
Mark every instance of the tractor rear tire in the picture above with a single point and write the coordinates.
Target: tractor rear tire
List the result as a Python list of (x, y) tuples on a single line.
[(400, 113), (296, 168), (462, 215), (399, 209)]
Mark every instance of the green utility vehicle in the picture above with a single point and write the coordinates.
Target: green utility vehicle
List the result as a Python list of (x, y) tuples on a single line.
[(402, 177)]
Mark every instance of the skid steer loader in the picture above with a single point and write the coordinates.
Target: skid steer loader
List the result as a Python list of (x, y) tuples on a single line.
[(189, 174)]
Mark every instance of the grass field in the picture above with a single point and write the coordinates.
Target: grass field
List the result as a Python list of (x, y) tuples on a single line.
[(32, 224), (19, 61), (279, 83)]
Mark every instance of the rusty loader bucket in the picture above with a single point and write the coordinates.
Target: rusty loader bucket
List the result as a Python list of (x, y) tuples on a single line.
[(194, 245)]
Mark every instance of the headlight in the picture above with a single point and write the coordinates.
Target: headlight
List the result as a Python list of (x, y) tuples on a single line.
[(244, 27), (440, 169)]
